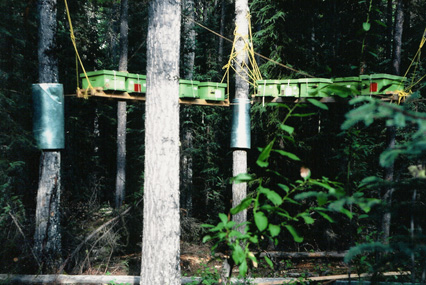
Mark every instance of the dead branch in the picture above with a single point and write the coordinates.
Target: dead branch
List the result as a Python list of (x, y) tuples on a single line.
[(91, 235)]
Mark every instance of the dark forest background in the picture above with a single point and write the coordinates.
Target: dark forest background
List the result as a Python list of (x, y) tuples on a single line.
[(322, 38)]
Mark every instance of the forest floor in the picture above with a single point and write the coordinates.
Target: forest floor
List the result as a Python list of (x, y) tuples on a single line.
[(196, 258), (197, 261)]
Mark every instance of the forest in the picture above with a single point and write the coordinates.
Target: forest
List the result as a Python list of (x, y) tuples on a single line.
[(334, 184)]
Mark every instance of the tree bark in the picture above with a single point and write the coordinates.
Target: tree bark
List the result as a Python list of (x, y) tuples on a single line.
[(222, 31), (391, 131), (239, 191), (187, 139), (189, 42), (120, 184), (47, 237), (397, 40), (161, 228)]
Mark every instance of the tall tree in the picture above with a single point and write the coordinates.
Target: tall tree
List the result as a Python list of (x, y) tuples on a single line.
[(47, 238), (187, 135), (391, 131), (120, 183), (161, 228), (239, 191)]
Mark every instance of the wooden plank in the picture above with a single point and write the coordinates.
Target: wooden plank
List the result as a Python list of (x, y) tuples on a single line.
[(125, 279), (99, 92), (388, 97)]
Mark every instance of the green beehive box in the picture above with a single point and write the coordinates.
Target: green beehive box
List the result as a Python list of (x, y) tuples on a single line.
[(107, 79), (212, 91), (268, 88), (188, 89), (135, 83), (290, 88), (352, 82), (309, 87), (376, 84)]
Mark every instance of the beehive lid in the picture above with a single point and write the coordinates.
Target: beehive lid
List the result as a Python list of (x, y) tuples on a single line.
[(347, 79), (190, 82), (137, 76), (104, 72), (213, 84), (315, 80)]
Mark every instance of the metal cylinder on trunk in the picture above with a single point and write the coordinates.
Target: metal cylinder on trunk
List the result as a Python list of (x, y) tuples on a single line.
[(48, 115), (240, 133)]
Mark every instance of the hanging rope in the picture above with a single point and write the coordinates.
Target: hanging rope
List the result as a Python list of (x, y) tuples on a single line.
[(416, 61), (247, 69), (77, 55), (256, 53)]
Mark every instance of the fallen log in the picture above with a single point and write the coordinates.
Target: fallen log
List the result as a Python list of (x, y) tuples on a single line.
[(125, 279), (322, 254)]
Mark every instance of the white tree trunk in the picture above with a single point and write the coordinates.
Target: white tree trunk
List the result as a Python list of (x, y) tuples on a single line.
[(161, 229), (239, 191), (120, 183)]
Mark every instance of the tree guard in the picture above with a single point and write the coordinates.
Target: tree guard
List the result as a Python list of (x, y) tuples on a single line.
[(240, 134), (48, 119)]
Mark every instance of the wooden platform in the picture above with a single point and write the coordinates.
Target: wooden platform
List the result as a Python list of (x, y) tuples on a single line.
[(389, 97), (99, 92)]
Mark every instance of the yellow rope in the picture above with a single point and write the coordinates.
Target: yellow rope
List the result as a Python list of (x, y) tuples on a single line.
[(249, 69), (256, 53), (416, 59), (78, 58)]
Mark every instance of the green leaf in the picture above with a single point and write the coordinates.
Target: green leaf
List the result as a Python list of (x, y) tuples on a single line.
[(273, 196), (366, 26), (308, 219), (242, 178), (223, 218), (260, 220), (262, 161), (317, 103), (245, 203), (293, 232), (381, 23), (274, 230), (269, 261), (326, 216), (284, 187), (287, 154), (243, 268), (238, 254), (286, 128), (206, 238), (322, 199)]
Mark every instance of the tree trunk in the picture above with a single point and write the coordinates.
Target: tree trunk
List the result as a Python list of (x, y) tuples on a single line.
[(391, 131), (189, 42), (186, 164), (239, 191), (120, 184), (47, 238), (222, 31), (389, 17), (187, 145), (161, 228), (397, 40)]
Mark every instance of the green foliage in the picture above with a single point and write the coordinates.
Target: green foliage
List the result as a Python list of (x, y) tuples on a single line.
[(270, 209), (397, 116), (403, 250)]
